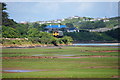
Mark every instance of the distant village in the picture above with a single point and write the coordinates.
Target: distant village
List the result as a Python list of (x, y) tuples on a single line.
[(74, 29), (60, 20)]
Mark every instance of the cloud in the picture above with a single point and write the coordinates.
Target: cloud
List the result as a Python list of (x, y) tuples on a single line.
[(47, 8), (32, 7), (34, 11), (83, 7)]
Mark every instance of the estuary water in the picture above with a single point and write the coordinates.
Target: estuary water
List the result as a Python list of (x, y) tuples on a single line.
[(97, 44)]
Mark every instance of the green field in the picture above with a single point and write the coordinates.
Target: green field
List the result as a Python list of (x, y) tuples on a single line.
[(88, 67)]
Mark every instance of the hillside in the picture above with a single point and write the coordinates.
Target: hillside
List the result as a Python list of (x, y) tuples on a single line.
[(91, 29), (86, 23), (91, 23), (108, 36)]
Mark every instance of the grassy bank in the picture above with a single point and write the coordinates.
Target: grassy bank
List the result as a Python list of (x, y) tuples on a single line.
[(33, 42)]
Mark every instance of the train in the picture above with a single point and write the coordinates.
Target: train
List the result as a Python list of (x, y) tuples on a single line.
[(58, 34)]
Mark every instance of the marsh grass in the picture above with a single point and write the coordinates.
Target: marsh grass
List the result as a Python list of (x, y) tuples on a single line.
[(62, 67)]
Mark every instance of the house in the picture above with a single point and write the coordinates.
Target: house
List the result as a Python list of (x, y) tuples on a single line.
[(73, 29), (59, 27), (106, 20)]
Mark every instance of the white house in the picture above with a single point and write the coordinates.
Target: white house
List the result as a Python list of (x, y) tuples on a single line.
[(74, 29)]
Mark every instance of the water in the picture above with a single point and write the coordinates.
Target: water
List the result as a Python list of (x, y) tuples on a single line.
[(38, 55), (20, 70), (96, 44), (64, 55)]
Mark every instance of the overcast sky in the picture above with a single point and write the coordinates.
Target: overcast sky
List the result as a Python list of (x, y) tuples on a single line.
[(40, 11)]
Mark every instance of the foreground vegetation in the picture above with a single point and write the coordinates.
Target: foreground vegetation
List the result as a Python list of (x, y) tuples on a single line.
[(62, 68), (89, 67)]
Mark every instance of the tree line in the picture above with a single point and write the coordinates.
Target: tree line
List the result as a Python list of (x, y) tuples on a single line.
[(86, 36)]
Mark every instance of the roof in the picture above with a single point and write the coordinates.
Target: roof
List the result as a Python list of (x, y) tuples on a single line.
[(56, 26)]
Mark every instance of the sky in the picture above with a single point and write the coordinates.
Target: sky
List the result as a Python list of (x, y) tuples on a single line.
[(44, 11), (59, 0)]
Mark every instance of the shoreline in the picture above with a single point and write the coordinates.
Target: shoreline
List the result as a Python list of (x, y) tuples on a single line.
[(96, 42), (60, 46)]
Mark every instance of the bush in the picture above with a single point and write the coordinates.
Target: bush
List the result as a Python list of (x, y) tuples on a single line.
[(67, 40)]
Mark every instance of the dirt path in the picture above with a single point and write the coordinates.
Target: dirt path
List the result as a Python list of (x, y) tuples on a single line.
[(40, 57), (26, 57), (106, 51), (113, 67), (115, 76)]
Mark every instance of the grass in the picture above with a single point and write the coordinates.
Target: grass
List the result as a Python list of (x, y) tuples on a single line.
[(104, 67), (77, 51)]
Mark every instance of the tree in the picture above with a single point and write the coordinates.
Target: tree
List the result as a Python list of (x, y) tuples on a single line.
[(70, 25), (86, 25), (67, 39), (33, 32), (39, 27), (99, 24), (114, 33), (47, 38), (22, 29), (9, 32), (36, 25), (5, 20), (4, 13), (42, 27)]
